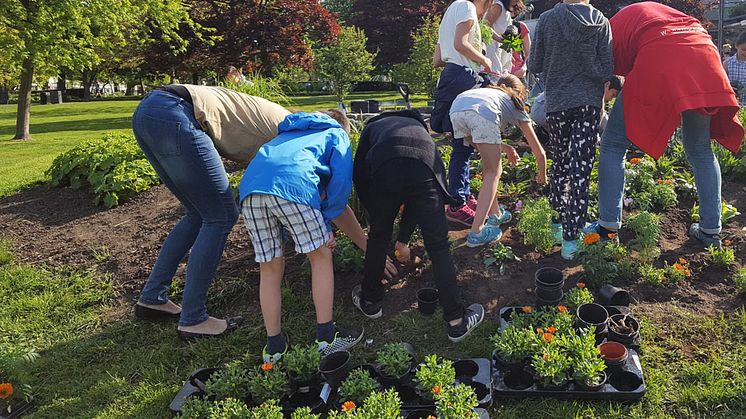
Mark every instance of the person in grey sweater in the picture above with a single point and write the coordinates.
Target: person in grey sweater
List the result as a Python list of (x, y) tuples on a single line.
[(572, 49)]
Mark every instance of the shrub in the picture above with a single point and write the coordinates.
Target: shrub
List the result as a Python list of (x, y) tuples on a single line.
[(456, 402), (394, 360), (358, 386), (577, 297), (232, 381), (113, 168), (379, 405), (418, 71), (598, 264), (258, 85), (646, 227), (195, 408), (304, 413), (267, 382), (302, 361), (433, 374), (552, 366), (740, 280), (536, 225), (721, 257), (347, 256), (345, 61), (652, 275), (267, 410), (515, 345)]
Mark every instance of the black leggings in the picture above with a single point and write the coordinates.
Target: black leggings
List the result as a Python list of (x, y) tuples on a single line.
[(573, 135), (412, 183)]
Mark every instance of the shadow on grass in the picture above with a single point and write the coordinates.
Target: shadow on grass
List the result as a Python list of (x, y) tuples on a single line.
[(98, 124)]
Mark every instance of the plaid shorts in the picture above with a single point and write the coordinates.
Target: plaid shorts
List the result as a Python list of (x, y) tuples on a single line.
[(266, 215)]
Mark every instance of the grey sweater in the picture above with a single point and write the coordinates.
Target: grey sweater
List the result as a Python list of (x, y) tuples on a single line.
[(572, 48)]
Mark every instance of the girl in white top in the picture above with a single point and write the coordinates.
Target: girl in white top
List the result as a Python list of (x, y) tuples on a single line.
[(499, 18), (459, 37)]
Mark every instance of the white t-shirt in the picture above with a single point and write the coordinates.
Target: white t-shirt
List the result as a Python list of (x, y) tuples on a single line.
[(459, 11), (502, 61)]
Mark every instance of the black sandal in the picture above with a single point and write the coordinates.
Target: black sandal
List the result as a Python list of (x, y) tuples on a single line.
[(154, 315), (233, 324)]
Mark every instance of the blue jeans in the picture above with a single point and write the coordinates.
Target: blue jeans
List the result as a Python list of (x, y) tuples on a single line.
[(189, 165), (458, 169), (696, 140)]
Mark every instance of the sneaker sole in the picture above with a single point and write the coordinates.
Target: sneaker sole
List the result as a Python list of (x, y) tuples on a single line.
[(468, 332), (458, 221), (473, 245)]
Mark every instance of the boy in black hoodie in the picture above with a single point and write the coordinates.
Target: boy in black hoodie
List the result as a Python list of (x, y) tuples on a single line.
[(397, 164), (572, 49)]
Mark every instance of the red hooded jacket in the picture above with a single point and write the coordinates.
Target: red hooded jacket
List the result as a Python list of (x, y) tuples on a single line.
[(671, 66)]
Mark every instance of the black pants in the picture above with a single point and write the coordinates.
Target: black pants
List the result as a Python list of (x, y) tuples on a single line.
[(573, 135), (412, 183)]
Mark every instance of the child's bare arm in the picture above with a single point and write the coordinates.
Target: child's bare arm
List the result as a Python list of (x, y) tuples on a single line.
[(537, 149), (463, 46), (438, 58)]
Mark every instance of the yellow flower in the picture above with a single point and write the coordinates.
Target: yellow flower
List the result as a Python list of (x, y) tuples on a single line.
[(436, 390), (6, 391), (591, 238), (527, 309), (539, 330), (635, 160), (348, 406), (546, 356), (267, 366)]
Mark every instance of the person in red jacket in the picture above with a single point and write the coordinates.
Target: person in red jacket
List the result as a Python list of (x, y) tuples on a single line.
[(673, 76)]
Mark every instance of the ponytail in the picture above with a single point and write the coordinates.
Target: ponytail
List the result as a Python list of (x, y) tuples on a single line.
[(514, 87)]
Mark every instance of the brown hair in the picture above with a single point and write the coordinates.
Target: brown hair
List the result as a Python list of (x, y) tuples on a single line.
[(514, 87), (339, 117)]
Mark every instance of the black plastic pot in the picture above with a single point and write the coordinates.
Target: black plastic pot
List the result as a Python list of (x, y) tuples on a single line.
[(427, 301), (614, 354), (622, 337), (586, 387), (335, 368), (311, 398), (304, 385), (549, 278), (610, 295), (409, 395), (541, 302), (465, 368), (593, 314), (506, 366), (625, 381), (518, 380), (420, 413), (552, 387)]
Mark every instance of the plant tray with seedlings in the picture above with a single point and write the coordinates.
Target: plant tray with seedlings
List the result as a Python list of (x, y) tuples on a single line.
[(549, 352)]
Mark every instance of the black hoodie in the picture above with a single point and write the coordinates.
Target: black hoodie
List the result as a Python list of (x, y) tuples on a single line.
[(572, 48)]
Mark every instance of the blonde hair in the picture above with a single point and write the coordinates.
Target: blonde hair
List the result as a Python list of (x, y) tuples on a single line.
[(514, 87)]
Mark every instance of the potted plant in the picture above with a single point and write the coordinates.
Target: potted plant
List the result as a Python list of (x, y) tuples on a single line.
[(552, 368), (513, 347), (16, 397), (623, 328), (433, 374), (267, 382), (577, 296), (304, 413), (379, 404), (394, 363), (358, 386), (456, 402), (302, 363), (231, 381), (335, 367)]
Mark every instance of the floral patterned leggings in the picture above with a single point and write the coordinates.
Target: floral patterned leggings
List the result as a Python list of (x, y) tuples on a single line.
[(573, 134)]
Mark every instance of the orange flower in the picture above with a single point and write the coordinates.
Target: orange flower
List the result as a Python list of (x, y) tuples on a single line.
[(562, 309), (348, 406), (660, 181), (539, 330), (612, 236), (679, 267), (527, 309), (401, 209), (580, 285), (6, 391), (683, 261), (727, 242), (591, 238), (688, 273), (546, 356), (551, 329), (669, 182), (548, 337), (436, 390), (635, 160), (267, 366)]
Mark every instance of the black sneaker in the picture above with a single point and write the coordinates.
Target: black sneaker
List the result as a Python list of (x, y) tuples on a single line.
[(472, 318), (370, 310), (344, 339), (706, 239)]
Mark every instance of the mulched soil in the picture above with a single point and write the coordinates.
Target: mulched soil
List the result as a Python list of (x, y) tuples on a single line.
[(63, 227)]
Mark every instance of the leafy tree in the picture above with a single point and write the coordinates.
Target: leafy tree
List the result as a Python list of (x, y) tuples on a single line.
[(345, 61), (737, 10), (390, 24), (48, 34), (343, 8), (418, 72)]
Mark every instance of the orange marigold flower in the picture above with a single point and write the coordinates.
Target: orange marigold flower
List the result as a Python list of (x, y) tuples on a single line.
[(539, 330), (437, 390), (267, 366), (591, 238), (401, 209), (527, 309), (612, 236), (548, 337), (659, 181), (562, 309), (546, 356), (688, 273), (669, 182), (635, 160), (727, 242), (551, 329), (679, 267), (6, 391), (348, 406), (683, 261), (580, 285)]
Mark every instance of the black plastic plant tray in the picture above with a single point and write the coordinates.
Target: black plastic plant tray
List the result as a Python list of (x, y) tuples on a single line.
[(476, 372), (423, 413), (626, 378)]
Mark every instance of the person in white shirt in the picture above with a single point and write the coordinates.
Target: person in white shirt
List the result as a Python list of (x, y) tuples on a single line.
[(499, 16)]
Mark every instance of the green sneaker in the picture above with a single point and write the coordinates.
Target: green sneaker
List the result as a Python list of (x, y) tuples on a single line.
[(570, 249), (268, 358), (557, 232)]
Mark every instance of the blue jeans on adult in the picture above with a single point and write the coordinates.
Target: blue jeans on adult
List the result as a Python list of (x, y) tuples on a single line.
[(189, 165), (695, 129), (458, 169)]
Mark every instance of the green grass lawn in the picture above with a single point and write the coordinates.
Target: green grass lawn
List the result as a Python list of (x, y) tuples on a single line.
[(57, 128)]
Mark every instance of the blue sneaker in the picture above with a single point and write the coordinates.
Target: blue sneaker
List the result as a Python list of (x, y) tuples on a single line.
[(570, 249), (557, 232), (505, 217), (487, 235)]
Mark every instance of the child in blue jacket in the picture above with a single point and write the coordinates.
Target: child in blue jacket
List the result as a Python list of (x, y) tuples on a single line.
[(301, 180)]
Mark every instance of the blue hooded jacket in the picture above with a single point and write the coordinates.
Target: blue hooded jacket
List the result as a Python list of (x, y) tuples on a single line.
[(310, 155)]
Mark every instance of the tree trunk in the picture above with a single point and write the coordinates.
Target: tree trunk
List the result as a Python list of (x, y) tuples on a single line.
[(23, 117), (130, 88), (61, 82), (4, 95), (195, 78), (88, 78)]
